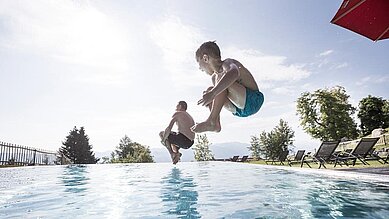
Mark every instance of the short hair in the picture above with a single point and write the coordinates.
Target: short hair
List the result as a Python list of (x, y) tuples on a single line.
[(183, 104), (210, 48)]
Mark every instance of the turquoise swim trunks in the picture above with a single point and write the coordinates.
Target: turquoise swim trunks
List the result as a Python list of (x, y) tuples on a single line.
[(254, 101)]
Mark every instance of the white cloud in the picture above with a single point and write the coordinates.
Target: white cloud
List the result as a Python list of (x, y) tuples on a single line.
[(286, 91), (323, 63), (71, 32), (382, 79), (342, 65), (377, 79), (178, 43), (363, 81), (326, 53), (266, 67)]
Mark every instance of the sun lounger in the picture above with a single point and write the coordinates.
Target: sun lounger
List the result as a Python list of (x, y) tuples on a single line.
[(386, 159), (234, 158), (363, 152), (323, 155), (281, 158), (297, 158), (243, 159)]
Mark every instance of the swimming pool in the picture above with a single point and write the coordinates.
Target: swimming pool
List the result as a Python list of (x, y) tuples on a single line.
[(189, 190)]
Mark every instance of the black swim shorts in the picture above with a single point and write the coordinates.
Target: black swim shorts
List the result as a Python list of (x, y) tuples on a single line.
[(180, 140)]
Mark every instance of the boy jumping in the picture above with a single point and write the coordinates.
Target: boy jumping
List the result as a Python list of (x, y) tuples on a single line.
[(234, 88), (173, 141)]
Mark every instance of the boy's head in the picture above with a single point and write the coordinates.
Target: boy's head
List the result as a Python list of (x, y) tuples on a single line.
[(209, 48), (181, 106)]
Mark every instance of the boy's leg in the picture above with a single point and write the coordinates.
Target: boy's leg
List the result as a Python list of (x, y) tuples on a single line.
[(161, 136), (176, 154), (169, 148), (235, 95), (228, 105), (167, 145), (212, 124)]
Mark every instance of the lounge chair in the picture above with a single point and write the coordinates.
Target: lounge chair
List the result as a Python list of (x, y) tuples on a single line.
[(364, 151), (234, 158), (281, 158), (243, 159), (323, 155), (386, 159), (297, 158)]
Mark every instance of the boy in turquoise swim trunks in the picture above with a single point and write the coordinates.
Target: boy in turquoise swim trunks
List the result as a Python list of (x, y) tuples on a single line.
[(234, 88)]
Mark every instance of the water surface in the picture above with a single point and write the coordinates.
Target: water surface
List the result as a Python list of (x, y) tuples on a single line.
[(189, 190)]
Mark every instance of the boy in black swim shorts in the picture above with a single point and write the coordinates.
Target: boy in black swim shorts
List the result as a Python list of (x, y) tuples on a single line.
[(181, 139)]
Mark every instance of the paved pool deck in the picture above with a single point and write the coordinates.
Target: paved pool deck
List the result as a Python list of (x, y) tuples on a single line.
[(370, 170)]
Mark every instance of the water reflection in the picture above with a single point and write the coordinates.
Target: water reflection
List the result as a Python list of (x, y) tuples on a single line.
[(179, 195), (347, 199), (74, 178)]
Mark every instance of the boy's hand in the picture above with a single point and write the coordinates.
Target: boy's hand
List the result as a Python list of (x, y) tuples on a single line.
[(208, 90), (207, 99)]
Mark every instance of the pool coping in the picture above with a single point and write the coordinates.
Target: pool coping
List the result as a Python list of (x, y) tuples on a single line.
[(364, 174)]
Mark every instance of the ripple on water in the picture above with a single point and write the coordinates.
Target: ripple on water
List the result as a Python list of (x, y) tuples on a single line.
[(187, 190)]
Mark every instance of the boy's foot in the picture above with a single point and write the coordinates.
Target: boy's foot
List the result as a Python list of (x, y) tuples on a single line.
[(206, 127), (176, 157)]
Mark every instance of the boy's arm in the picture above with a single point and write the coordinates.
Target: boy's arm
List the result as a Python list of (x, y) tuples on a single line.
[(169, 127), (231, 75)]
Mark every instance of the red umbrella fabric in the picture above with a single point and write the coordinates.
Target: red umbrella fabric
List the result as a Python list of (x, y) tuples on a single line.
[(369, 18)]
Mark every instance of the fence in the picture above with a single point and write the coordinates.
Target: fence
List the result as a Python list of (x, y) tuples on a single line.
[(11, 154)]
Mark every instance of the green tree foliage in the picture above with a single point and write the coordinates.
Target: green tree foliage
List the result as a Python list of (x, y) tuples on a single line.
[(77, 149), (372, 114), (131, 152), (201, 148), (326, 114), (385, 109), (276, 141), (105, 159), (255, 147)]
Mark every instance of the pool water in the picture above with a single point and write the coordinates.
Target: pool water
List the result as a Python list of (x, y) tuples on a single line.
[(189, 190)]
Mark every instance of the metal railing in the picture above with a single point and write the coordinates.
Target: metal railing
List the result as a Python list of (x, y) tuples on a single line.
[(16, 155)]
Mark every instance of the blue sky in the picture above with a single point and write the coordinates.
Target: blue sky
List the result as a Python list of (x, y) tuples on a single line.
[(119, 67)]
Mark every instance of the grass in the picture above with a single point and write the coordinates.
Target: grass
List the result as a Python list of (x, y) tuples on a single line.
[(358, 164), (350, 145), (4, 166)]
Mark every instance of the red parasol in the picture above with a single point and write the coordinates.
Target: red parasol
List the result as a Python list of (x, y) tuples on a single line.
[(369, 18)]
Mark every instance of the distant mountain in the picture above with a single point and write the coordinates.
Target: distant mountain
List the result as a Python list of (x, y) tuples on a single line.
[(161, 155), (230, 149), (100, 154), (219, 150)]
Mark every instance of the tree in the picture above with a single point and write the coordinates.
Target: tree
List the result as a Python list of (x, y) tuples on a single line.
[(131, 152), (255, 147), (326, 114), (105, 159), (372, 114), (201, 148), (77, 148), (276, 141), (385, 109)]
